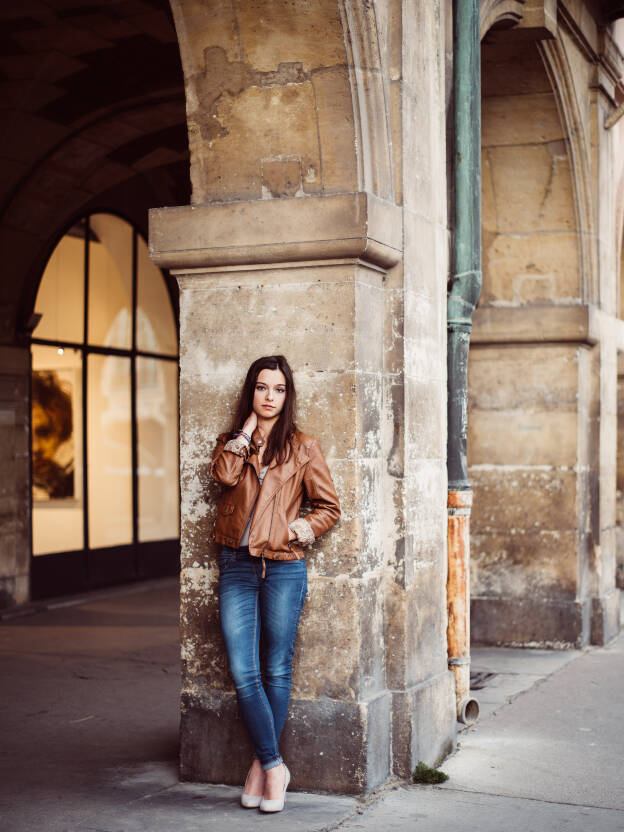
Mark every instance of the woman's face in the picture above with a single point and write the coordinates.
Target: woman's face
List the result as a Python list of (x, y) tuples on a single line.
[(269, 394)]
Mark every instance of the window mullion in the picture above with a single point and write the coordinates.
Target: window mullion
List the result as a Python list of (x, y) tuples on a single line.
[(85, 381), (133, 407)]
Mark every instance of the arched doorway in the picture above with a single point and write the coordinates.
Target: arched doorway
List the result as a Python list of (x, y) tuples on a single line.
[(104, 414), (530, 394)]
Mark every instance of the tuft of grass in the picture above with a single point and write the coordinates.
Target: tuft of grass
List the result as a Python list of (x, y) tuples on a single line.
[(425, 774)]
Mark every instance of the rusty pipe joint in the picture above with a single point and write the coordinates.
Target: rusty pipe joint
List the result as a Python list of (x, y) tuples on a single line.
[(467, 705)]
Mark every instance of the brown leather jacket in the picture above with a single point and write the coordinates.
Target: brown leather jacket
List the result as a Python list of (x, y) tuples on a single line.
[(279, 498)]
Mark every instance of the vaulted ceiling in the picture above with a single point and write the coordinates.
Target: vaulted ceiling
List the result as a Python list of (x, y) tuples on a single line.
[(93, 115)]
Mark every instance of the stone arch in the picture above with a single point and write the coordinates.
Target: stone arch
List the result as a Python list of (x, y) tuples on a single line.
[(505, 13), (54, 193), (527, 182), (523, 555), (94, 122), (557, 66), (284, 99), (619, 245)]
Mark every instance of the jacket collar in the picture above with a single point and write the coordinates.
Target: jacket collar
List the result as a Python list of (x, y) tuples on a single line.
[(277, 475)]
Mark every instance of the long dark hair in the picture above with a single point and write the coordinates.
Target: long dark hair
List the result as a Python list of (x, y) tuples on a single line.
[(279, 443)]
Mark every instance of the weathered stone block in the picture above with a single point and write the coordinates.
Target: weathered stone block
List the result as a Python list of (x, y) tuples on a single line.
[(426, 623), (416, 628), (281, 177), (425, 337), (523, 377), (14, 589), (426, 257), (529, 622), (15, 502), (423, 724), (426, 520), (329, 745), (286, 31), (328, 647), (423, 149), (204, 661), (336, 129), (540, 437), (605, 617), (425, 403), (372, 666), (530, 268), (533, 325), (528, 76), (538, 175), (211, 333), (323, 400), (526, 499), (369, 311), (342, 550), (518, 562), (521, 120)]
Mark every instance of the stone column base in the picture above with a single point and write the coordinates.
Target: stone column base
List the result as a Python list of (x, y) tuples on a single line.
[(424, 723), (329, 745), (605, 617)]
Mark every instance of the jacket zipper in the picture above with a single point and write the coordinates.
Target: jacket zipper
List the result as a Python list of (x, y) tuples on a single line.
[(269, 538), (255, 504)]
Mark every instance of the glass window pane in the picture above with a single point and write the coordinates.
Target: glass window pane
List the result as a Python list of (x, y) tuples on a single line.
[(157, 416), (110, 282), (56, 436), (60, 299), (156, 330), (109, 449)]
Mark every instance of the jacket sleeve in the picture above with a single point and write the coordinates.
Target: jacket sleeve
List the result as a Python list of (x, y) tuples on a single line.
[(321, 493), (228, 460)]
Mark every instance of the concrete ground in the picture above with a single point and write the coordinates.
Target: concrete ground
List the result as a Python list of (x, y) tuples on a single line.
[(89, 694)]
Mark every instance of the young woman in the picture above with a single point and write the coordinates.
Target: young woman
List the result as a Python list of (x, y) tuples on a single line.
[(266, 466)]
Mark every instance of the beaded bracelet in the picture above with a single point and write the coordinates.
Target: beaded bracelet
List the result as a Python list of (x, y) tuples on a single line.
[(238, 433)]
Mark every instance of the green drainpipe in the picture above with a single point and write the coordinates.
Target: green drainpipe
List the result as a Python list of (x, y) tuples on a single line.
[(465, 285), (462, 300)]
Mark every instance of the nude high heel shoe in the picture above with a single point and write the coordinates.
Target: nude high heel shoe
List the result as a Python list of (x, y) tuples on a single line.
[(250, 801), (277, 804)]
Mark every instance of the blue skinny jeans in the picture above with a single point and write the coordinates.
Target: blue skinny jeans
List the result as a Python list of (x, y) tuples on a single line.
[(253, 608)]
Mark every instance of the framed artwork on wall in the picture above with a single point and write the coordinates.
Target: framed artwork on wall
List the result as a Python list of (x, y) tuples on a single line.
[(54, 420)]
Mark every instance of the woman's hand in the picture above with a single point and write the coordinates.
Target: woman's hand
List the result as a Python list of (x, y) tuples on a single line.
[(291, 535), (251, 423)]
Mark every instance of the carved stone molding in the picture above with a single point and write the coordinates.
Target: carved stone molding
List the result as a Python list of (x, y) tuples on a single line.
[(356, 226), (369, 98), (527, 19)]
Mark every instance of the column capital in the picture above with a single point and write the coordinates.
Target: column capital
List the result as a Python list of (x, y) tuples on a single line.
[(355, 225)]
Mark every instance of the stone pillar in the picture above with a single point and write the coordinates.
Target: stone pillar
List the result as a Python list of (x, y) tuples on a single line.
[(304, 278), (319, 229), (605, 612), (619, 506), (15, 501), (542, 435)]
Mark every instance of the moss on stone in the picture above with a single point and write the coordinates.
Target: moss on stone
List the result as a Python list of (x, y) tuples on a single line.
[(425, 774)]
